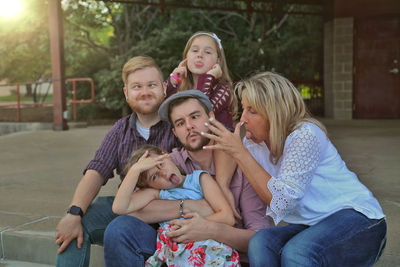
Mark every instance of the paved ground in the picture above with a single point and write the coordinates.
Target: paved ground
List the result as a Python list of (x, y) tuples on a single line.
[(39, 171)]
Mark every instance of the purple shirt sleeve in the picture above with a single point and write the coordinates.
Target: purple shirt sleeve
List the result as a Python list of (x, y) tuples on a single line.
[(253, 209), (122, 139), (106, 158), (171, 89), (219, 95)]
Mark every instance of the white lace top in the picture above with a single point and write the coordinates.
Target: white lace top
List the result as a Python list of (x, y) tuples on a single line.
[(311, 181)]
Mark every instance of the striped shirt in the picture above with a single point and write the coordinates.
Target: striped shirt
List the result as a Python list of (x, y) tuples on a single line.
[(218, 93), (122, 139)]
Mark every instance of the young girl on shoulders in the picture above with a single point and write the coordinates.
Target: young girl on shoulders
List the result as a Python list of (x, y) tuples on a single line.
[(151, 170), (204, 68)]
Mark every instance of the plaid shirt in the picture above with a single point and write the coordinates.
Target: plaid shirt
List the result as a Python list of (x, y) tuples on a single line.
[(122, 139)]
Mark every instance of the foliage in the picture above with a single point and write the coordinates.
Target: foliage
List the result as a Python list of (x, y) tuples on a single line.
[(24, 49), (101, 36)]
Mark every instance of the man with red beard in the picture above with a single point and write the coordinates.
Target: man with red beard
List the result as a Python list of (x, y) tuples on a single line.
[(127, 240), (85, 221)]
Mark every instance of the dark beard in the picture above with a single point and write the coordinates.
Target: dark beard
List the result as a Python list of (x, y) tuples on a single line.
[(204, 141)]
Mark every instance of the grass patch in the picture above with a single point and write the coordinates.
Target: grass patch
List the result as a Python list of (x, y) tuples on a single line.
[(13, 98)]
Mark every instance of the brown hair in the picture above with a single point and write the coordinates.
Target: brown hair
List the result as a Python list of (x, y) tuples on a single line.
[(139, 63), (136, 155), (178, 101)]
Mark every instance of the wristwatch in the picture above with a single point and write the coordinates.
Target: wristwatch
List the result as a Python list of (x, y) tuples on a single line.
[(75, 210)]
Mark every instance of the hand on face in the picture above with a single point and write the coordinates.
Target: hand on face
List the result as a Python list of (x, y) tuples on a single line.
[(147, 162), (180, 71), (215, 71), (225, 140), (202, 55)]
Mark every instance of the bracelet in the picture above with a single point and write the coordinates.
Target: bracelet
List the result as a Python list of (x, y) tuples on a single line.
[(181, 208), (175, 77)]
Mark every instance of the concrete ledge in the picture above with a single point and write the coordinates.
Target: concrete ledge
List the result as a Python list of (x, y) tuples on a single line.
[(8, 263), (12, 127), (33, 241), (31, 247)]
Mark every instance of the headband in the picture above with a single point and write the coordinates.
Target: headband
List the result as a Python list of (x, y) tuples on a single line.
[(213, 35)]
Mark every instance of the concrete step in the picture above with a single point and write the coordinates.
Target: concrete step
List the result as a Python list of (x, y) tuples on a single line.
[(30, 240), (13, 127), (8, 263)]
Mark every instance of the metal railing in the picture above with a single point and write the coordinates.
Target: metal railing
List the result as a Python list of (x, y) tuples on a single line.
[(19, 104), (74, 95)]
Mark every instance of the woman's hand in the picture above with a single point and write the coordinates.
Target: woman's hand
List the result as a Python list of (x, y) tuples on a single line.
[(225, 140)]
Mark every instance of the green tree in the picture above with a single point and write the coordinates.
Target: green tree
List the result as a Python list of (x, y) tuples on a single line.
[(24, 49), (101, 36)]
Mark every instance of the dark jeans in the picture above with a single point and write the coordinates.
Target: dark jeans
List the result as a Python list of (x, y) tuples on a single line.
[(94, 222), (346, 238), (128, 241)]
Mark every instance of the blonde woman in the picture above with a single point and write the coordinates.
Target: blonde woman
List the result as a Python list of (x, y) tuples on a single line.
[(333, 219)]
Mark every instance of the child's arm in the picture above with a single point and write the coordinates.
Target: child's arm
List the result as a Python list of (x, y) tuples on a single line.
[(215, 197), (218, 93), (176, 77), (171, 88), (126, 200), (224, 169), (126, 204)]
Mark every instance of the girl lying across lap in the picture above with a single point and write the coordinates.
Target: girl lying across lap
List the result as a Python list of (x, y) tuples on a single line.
[(151, 170)]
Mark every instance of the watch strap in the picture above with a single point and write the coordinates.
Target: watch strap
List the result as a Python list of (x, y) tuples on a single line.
[(75, 210)]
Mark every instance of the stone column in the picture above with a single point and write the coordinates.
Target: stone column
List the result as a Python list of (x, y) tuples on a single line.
[(338, 68)]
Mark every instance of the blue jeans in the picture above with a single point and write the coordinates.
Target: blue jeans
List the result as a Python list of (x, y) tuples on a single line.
[(128, 241), (346, 238), (94, 222)]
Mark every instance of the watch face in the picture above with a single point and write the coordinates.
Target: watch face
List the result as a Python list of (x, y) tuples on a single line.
[(75, 210)]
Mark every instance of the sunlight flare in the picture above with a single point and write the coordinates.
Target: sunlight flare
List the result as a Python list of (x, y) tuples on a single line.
[(10, 8)]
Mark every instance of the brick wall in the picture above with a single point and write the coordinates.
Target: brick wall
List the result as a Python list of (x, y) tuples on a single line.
[(338, 68), (28, 114)]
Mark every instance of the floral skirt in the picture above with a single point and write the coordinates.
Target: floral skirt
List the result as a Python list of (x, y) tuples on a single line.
[(200, 253)]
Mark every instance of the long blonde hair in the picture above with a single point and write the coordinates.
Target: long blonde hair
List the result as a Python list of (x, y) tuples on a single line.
[(277, 100)]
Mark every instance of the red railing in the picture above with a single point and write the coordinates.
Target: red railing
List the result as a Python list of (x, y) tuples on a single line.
[(74, 100)]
